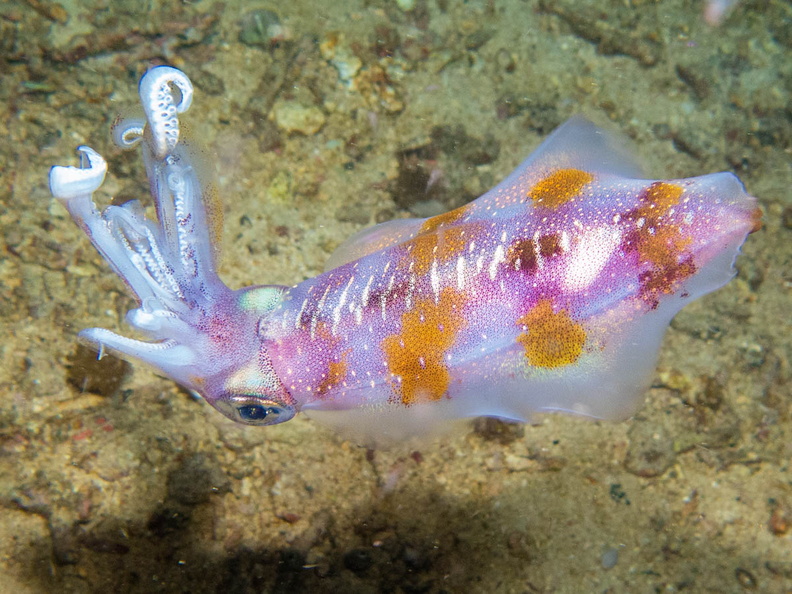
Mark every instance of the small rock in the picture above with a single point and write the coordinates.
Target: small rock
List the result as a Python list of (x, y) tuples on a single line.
[(503, 432), (519, 463), (780, 521), (291, 117), (745, 578), (339, 53), (262, 28), (786, 217), (610, 558)]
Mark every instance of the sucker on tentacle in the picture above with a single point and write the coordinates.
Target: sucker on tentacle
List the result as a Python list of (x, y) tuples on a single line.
[(161, 109)]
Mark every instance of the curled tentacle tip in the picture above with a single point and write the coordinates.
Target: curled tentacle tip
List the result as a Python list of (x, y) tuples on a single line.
[(161, 108), (128, 132), (69, 182), (160, 77)]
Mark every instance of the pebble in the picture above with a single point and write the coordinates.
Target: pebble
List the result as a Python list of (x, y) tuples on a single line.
[(292, 117), (610, 558), (261, 28)]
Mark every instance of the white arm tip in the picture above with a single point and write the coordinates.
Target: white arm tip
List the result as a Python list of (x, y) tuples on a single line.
[(70, 182)]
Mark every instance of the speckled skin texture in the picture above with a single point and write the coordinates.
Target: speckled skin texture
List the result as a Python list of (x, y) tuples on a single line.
[(550, 292)]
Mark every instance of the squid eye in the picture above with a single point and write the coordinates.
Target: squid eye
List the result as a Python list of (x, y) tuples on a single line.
[(256, 413), (252, 409)]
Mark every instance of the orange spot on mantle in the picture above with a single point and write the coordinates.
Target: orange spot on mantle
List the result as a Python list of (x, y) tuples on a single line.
[(417, 354), (550, 339), (662, 245), (452, 216), (663, 196), (657, 200), (336, 373), (560, 187)]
